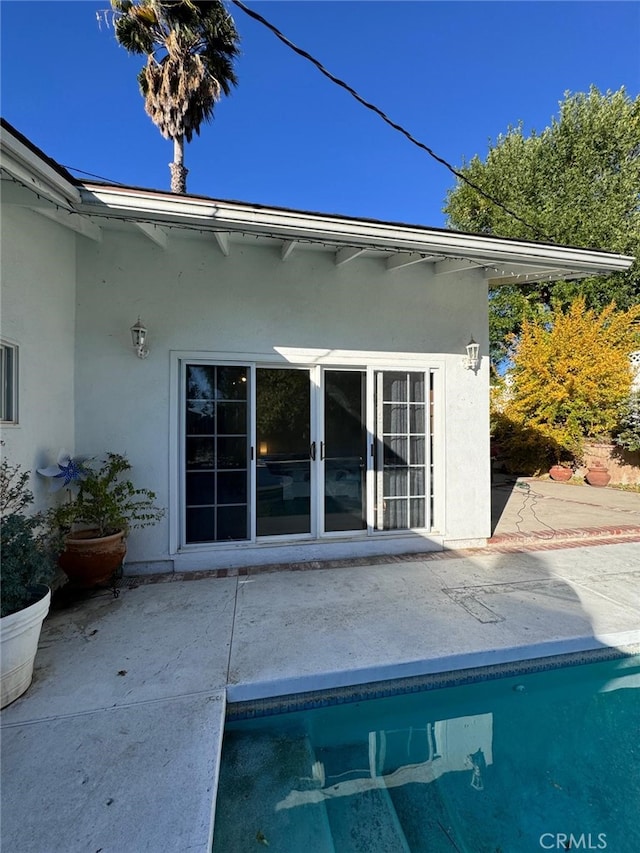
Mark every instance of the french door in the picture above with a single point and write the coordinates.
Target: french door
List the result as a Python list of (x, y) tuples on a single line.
[(284, 451), (217, 453), (343, 451), (305, 452), (403, 449)]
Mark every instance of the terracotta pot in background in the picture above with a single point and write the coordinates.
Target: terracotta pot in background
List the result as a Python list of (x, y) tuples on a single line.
[(560, 473), (598, 476)]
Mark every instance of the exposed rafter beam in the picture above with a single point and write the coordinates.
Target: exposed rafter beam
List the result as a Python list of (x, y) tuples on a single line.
[(287, 249), (16, 194), (500, 277), (349, 253), (396, 262), (522, 269), (21, 196), (80, 224), (156, 234), (222, 239), (448, 266)]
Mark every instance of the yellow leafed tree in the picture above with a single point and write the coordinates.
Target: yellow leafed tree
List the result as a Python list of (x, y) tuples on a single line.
[(571, 371)]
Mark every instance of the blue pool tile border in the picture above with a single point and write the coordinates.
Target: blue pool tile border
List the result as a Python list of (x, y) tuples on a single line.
[(291, 703)]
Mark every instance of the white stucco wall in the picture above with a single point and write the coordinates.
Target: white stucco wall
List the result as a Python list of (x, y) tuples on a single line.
[(193, 298), (38, 314)]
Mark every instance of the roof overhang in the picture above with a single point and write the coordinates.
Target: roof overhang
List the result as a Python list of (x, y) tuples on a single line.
[(502, 260), (33, 180), (29, 167)]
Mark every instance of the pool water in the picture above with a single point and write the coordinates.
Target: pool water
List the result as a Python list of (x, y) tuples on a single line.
[(543, 761)]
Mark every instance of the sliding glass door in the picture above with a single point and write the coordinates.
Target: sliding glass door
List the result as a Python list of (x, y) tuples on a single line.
[(216, 453), (306, 452), (344, 450), (284, 451)]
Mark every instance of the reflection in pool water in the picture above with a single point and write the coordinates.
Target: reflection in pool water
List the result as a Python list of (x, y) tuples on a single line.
[(492, 766)]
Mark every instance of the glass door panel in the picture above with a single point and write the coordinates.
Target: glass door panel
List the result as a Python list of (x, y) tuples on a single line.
[(402, 450), (344, 450), (216, 453), (283, 439)]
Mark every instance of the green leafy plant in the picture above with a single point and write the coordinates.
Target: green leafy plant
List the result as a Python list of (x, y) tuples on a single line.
[(27, 555), (106, 501), (575, 181)]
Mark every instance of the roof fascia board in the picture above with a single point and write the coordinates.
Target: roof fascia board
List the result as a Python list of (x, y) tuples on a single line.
[(29, 169), (229, 216)]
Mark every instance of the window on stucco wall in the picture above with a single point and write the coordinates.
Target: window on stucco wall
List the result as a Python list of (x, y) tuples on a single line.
[(8, 383)]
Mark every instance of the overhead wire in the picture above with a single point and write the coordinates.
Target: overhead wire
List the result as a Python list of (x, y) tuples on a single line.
[(93, 175), (398, 127)]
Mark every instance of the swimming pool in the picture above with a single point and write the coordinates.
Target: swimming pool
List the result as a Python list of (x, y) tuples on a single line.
[(540, 761)]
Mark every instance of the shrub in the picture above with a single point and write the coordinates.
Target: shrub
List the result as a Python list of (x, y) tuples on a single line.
[(571, 372), (524, 449), (27, 557)]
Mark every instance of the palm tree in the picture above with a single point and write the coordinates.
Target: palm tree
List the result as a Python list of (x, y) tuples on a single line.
[(190, 48)]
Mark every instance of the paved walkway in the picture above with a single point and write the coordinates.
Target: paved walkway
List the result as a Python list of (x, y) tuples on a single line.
[(115, 747), (530, 511)]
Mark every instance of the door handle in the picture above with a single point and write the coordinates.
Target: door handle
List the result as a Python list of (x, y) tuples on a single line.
[(312, 450), (322, 450)]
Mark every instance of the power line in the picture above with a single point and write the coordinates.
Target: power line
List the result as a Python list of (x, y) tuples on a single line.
[(92, 175), (386, 118)]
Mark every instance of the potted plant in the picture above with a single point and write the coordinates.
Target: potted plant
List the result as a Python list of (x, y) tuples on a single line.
[(28, 567), (94, 523)]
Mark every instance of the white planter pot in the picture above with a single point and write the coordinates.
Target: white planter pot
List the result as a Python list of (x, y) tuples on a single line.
[(19, 635)]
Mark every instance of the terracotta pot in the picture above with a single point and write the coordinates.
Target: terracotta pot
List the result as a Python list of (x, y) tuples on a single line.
[(89, 560), (560, 473), (598, 476)]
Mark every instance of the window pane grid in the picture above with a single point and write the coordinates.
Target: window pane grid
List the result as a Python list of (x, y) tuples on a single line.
[(402, 418), (217, 453)]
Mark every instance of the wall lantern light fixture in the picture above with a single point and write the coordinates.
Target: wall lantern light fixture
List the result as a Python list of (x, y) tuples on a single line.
[(471, 359), (139, 339)]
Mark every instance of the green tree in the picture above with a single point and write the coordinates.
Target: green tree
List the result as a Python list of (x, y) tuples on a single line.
[(190, 48), (576, 183)]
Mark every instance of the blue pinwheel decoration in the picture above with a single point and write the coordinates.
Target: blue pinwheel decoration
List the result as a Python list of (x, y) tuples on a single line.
[(65, 472)]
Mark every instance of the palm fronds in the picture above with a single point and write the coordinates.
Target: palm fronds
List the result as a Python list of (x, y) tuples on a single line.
[(190, 47)]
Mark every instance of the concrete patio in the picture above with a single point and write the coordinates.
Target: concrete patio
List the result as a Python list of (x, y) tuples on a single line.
[(115, 747)]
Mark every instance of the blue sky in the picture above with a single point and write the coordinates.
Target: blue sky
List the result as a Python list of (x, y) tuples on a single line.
[(455, 74)]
